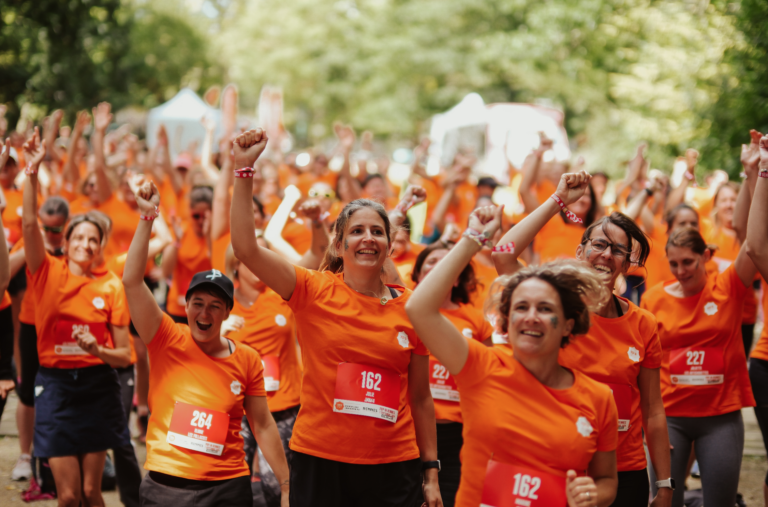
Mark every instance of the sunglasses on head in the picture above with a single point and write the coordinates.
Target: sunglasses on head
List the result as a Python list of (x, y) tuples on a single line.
[(315, 193), (54, 230)]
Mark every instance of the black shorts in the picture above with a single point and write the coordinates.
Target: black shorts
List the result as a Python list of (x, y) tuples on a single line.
[(29, 364), (161, 490), (319, 482)]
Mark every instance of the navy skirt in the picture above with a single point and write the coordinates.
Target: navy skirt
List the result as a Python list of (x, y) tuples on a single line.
[(78, 411)]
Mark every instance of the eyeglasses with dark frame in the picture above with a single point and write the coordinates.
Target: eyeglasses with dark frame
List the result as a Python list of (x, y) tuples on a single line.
[(599, 244), (53, 230)]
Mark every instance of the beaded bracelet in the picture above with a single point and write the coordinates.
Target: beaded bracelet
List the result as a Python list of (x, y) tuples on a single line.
[(763, 173), (150, 218), (28, 170), (570, 214), (482, 241)]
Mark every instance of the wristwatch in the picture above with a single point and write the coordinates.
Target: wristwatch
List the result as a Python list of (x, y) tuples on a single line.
[(667, 483), (426, 465)]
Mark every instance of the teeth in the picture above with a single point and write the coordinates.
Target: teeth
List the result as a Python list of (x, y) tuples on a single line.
[(532, 333), (367, 251), (604, 269)]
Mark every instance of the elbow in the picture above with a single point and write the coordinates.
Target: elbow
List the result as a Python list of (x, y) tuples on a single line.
[(752, 252)]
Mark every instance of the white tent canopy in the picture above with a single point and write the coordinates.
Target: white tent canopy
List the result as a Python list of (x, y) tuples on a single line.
[(182, 117)]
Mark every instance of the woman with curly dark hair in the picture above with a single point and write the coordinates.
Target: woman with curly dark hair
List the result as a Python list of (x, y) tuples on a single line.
[(530, 423), (467, 319)]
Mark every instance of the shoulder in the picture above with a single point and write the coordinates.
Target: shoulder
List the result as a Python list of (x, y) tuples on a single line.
[(644, 317), (596, 391), (652, 296), (167, 334)]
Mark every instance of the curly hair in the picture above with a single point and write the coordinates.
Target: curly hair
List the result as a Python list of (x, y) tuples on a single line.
[(461, 293), (580, 288)]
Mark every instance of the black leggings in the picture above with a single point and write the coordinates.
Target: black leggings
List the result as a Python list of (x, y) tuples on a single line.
[(758, 375), (6, 350), (29, 363), (449, 442), (633, 489)]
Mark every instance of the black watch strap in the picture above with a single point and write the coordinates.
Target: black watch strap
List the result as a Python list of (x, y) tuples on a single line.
[(426, 465)]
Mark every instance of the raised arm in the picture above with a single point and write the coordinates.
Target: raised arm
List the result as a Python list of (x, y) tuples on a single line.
[(274, 231), (530, 172), (346, 142), (34, 246), (440, 336), (140, 299), (71, 170), (50, 133), (677, 196), (177, 182), (102, 117), (271, 268), (571, 188), (314, 256), (757, 227), (419, 152), (221, 196), (750, 160)]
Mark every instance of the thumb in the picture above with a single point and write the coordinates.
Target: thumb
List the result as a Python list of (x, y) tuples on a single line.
[(499, 213), (570, 476)]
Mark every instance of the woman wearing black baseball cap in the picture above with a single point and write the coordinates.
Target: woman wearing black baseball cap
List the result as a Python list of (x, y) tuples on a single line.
[(200, 384)]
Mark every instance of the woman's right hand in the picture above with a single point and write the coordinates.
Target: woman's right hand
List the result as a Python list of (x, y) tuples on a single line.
[(34, 150), (147, 195), (572, 186), (232, 324), (486, 220), (248, 146)]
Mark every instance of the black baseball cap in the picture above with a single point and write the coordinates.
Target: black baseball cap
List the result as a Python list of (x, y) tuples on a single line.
[(213, 277), (488, 182)]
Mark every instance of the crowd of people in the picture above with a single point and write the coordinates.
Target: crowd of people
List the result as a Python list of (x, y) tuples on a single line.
[(285, 336)]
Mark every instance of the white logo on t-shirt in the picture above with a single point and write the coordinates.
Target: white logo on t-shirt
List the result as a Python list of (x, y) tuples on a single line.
[(235, 387), (467, 332), (634, 354), (402, 339), (98, 303), (19, 211), (583, 427), (710, 308), (280, 320)]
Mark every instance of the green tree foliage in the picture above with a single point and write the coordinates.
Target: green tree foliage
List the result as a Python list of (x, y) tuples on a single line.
[(73, 54), (622, 70), (743, 103)]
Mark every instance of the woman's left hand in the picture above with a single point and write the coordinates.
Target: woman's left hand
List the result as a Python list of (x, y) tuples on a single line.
[(580, 491), (414, 195), (486, 220), (431, 489)]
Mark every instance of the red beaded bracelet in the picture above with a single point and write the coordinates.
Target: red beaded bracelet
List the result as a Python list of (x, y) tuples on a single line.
[(28, 170), (245, 172)]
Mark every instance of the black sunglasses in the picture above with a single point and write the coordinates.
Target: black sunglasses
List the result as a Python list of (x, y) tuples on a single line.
[(54, 230)]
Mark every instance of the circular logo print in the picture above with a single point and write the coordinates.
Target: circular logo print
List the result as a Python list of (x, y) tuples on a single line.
[(19, 211), (171, 438), (235, 387), (634, 354), (583, 427), (98, 303), (710, 308), (339, 405), (467, 332), (280, 320)]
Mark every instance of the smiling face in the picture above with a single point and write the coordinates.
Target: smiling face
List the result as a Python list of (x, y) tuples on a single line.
[(205, 313), (364, 243), (609, 263), (688, 267), (84, 244), (49, 224), (91, 189), (537, 323), (431, 261), (725, 204)]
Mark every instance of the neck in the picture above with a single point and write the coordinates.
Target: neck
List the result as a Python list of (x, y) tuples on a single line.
[(695, 290), (367, 282), (546, 369), (218, 347), (80, 270), (247, 294), (608, 308)]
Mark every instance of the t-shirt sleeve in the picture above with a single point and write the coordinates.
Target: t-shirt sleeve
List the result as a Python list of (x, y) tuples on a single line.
[(653, 354), (255, 386), (46, 271), (166, 334), (485, 331), (419, 347), (731, 283), (480, 360), (608, 436), (308, 283), (119, 315)]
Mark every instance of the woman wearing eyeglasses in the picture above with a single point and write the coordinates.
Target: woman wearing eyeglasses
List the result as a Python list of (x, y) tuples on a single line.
[(621, 348), (190, 253)]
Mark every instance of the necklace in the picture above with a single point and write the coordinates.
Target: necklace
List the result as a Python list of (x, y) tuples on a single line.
[(382, 300)]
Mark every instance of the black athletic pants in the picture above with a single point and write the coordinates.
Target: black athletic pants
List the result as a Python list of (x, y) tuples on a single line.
[(758, 375), (449, 442), (127, 471), (318, 482), (633, 489)]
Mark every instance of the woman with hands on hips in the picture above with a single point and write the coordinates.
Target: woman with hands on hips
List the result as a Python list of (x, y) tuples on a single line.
[(532, 427), (365, 433)]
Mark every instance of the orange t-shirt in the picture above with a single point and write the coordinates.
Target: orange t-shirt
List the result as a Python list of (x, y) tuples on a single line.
[(125, 220), (761, 349), (728, 249), (192, 257), (511, 417), (338, 325), (62, 299), (14, 199), (298, 235), (6, 301), (707, 322), (463, 203), (307, 179), (557, 239), (405, 263), (485, 276), (473, 326), (270, 329), (219, 252), (181, 372), (612, 352)]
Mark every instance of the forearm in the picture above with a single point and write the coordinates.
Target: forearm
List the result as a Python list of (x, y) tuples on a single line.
[(657, 437), (105, 186), (530, 172), (268, 440), (522, 235), (757, 233), (116, 358), (274, 231), (5, 268), (635, 206), (34, 246), (136, 261), (423, 410), (677, 196), (606, 491), (170, 254), (438, 214), (221, 205), (431, 292), (743, 203)]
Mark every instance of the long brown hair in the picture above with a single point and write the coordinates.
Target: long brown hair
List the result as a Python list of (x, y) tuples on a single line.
[(335, 263), (688, 237), (467, 285)]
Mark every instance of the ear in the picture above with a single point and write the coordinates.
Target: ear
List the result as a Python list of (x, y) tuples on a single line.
[(580, 252), (707, 255), (569, 326)]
